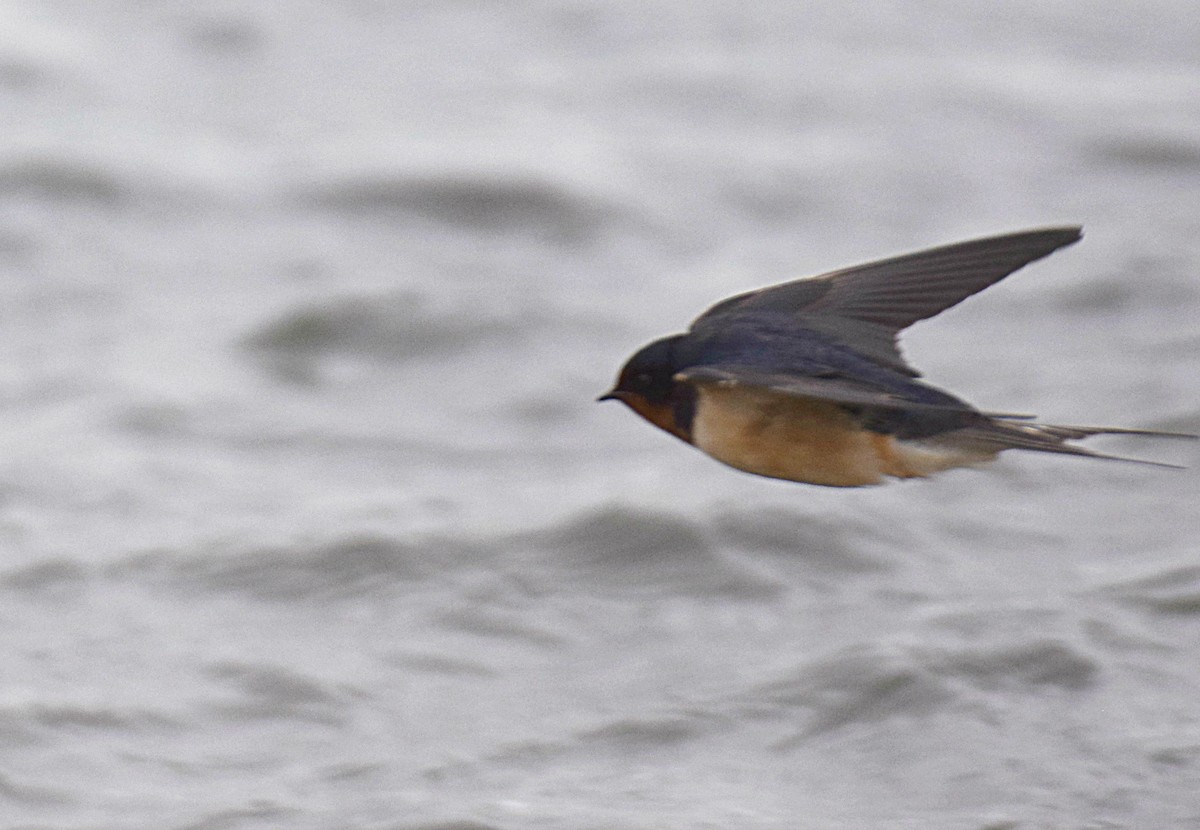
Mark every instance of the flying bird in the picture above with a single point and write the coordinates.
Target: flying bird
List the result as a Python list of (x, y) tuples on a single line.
[(804, 381)]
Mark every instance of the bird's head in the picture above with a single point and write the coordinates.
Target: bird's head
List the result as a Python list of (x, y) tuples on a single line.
[(648, 374), (647, 385)]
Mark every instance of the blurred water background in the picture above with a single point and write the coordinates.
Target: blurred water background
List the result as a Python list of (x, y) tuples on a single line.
[(308, 517)]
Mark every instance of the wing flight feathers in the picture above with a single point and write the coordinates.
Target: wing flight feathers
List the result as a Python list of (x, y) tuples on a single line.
[(866, 306), (898, 291)]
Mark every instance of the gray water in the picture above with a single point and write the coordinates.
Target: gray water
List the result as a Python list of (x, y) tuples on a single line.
[(308, 518)]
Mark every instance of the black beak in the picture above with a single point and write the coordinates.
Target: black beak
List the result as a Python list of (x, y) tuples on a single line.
[(613, 395)]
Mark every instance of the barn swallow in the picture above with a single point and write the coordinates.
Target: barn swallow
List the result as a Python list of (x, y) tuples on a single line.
[(804, 381)]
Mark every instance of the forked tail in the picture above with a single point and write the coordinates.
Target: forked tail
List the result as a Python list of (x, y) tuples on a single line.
[(1014, 433)]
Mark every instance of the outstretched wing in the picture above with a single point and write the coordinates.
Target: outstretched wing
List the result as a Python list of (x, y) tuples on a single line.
[(866, 306)]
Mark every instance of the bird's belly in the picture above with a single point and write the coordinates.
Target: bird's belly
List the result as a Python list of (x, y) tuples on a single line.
[(805, 439)]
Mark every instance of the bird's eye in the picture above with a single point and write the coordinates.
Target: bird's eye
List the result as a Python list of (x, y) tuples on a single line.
[(642, 378)]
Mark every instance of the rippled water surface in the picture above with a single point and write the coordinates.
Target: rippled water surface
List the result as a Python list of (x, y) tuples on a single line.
[(308, 517)]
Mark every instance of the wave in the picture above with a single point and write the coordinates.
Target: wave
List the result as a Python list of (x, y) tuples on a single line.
[(341, 568), (62, 177), (1027, 665), (104, 174), (265, 692), (501, 201), (630, 550), (33, 795), (857, 685), (391, 328), (869, 684), (613, 549), (1177, 154), (1172, 590), (806, 545), (465, 824)]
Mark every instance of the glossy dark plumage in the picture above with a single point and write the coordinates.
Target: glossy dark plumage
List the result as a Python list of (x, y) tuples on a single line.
[(804, 380)]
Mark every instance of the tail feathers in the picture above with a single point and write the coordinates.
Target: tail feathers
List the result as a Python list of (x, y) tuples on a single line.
[(1003, 434)]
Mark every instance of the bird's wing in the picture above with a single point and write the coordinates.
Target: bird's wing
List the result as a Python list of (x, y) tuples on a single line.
[(866, 306), (835, 390)]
